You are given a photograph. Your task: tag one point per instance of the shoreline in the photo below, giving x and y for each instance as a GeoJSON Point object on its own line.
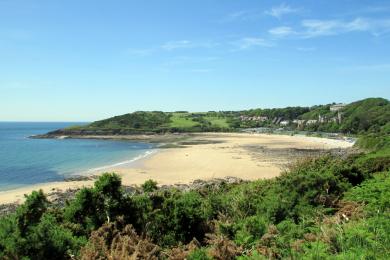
{"type": "Point", "coordinates": [202, 156]}
{"type": "Point", "coordinates": [91, 172]}
{"type": "Point", "coordinates": [148, 138]}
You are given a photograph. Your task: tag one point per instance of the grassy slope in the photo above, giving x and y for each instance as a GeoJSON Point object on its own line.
{"type": "Point", "coordinates": [185, 120]}
{"type": "Point", "coordinates": [181, 120]}
{"type": "Point", "coordinates": [217, 121]}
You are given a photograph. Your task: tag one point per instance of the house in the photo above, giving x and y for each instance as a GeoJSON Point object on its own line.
{"type": "Point", "coordinates": [277, 120]}
{"type": "Point", "coordinates": [284, 123]}
{"type": "Point", "coordinates": [244, 118]}
{"type": "Point", "coordinates": [321, 119]}
{"type": "Point", "coordinates": [299, 122]}
{"type": "Point", "coordinates": [311, 122]}
{"type": "Point", "coordinates": [254, 118]}
{"type": "Point", "coordinates": [337, 107]}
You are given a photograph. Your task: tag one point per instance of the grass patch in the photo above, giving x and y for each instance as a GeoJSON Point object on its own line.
{"type": "Point", "coordinates": [217, 121]}
{"type": "Point", "coordinates": [180, 120]}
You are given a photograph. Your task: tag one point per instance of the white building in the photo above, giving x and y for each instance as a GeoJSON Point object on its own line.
{"type": "Point", "coordinates": [254, 118]}
{"type": "Point", "coordinates": [337, 107]}
{"type": "Point", "coordinates": [311, 122]}
{"type": "Point", "coordinates": [284, 123]}
{"type": "Point", "coordinates": [299, 122]}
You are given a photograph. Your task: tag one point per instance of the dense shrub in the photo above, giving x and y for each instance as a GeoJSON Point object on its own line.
{"type": "Point", "coordinates": [176, 217]}
{"type": "Point", "coordinates": [149, 186]}
{"type": "Point", "coordinates": [35, 233]}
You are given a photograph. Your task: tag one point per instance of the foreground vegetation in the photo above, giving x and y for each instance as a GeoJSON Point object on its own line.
{"type": "Point", "coordinates": [321, 208]}
{"type": "Point", "coordinates": [326, 207]}
{"type": "Point", "coordinates": [370, 115]}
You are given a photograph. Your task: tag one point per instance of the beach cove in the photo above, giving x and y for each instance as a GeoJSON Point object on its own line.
{"type": "Point", "coordinates": [202, 156]}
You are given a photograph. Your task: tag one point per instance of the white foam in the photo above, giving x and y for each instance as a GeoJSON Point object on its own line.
{"type": "Point", "coordinates": [139, 157]}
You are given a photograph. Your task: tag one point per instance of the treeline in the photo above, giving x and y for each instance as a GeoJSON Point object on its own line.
{"type": "Point", "coordinates": [288, 113]}
{"type": "Point", "coordinates": [326, 207]}
{"type": "Point", "coordinates": [366, 116]}
{"type": "Point", "coordinates": [137, 120]}
{"type": "Point", "coordinates": [370, 115]}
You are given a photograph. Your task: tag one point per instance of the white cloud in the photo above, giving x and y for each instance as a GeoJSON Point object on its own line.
{"type": "Point", "coordinates": [185, 44]}
{"type": "Point", "coordinates": [316, 28]}
{"type": "Point", "coordinates": [306, 49]}
{"type": "Point", "coordinates": [281, 10]}
{"type": "Point", "coordinates": [173, 45]}
{"type": "Point", "coordinates": [243, 15]}
{"type": "Point", "coordinates": [249, 42]}
{"type": "Point", "coordinates": [139, 52]}
{"type": "Point", "coordinates": [367, 10]}
{"type": "Point", "coordinates": [282, 31]}
{"type": "Point", "coordinates": [238, 15]}
{"type": "Point", "coordinates": [169, 46]}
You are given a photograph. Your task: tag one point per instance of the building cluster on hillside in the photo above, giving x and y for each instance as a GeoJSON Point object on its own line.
{"type": "Point", "coordinates": [277, 120]}
{"type": "Point", "coordinates": [337, 107]}
{"type": "Point", "coordinates": [320, 120]}
{"type": "Point", "coordinates": [299, 122]}
{"type": "Point", "coordinates": [254, 118]}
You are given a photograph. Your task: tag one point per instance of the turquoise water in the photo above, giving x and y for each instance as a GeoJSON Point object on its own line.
{"type": "Point", "coordinates": [25, 161]}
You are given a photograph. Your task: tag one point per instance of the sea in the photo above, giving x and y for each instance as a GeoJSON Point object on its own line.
{"type": "Point", "coordinates": [25, 161]}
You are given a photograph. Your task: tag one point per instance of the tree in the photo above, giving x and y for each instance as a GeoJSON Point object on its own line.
{"type": "Point", "coordinates": [82, 210]}
{"type": "Point", "coordinates": [94, 206]}
{"type": "Point", "coordinates": [31, 211]}
{"type": "Point", "coordinates": [109, 194]}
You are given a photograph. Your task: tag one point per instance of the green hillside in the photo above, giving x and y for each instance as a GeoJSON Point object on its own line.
{"type": "Point", "coordinates": [156, 122]}
{"type": "Point", "coordinates": [370, 115]}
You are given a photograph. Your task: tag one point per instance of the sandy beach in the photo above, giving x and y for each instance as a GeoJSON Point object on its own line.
{"type": "Point", "coordinates": [206, 156]}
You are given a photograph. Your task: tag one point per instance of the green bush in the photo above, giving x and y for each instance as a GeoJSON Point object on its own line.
{"type": "Point", "coordinates": [31, 211]}
{"type": "Point", "coordinates": [249, 230]}
{"type": "Point", "coordinates": [149, 186]}
{"type": "Point", "coordinates": [374, 193]}
{"type": "Point", "coordinates": [94, 206]}
{"type": "Point", "coordinates": [198, 254]}
{"type": "Point", "coordinates": [81, 211]}
{"type": "Point", "coordinates": [34, 233]}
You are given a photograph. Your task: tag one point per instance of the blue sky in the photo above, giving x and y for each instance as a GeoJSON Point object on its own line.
{"type": "Point", "coordinates": [85, 60]}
